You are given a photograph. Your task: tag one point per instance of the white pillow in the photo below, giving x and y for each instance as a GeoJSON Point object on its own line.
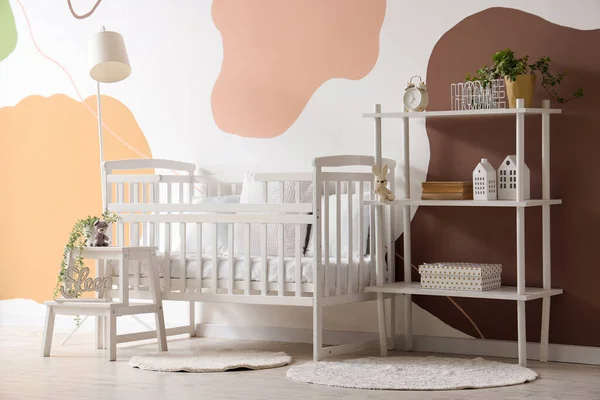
{"type": "Point", "coordinates": [207, 228]}
{"type": "Point", "coordinates": [344, 227]}
{"type": "Point", "coordinates": [253, 193]}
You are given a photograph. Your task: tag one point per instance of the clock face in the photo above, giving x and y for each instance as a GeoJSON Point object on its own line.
{"type": "Point", "coordinates": [412, 98]}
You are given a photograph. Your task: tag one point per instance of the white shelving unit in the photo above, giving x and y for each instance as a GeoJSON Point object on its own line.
{"type": "Point", "coordinates": [521, 293]}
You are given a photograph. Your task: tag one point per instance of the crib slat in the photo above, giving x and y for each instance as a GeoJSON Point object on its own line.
{"type": "Point", "coordinates": [263, 242]}
{"type": "Point", "coordinates": [120, 225]}
{"type": "Point", "coordinates": [325, 237]}
{"type": "Point", "coordinates": [199, 257]}
{"type": "Point", "coordinates": [247, 258]}
{"type": "Point", "coordinates": [134, 228]}
{"type": "Point", "coordinates": [338, 239]}
{"type": "Point", "coordinates": [350, 227]}
{"type": "Point", "coordinates": [372, 238]}
{"type": "Point", "coordinates": [215, 260]}
{"type": "Point", "coordinates": [167, 272]}
{"type": "Point", "coordinates": [298, 248]}
{"type": "Point", "coordinates": [231, 260]}
{"type": "Point", "coordinates": [361, 250]}
{"type": "Point", "coordinates": [155, 225]}
{"type": "Point", "coordinates": [388, 235]}
{"type": "Point", "coordinates": [392, 249]}
{"type": "Point", "coordinates": [183, 256]}
{"type": "Point", "coordinates": [145, 230]}
{"type": "Point", "coordinates": [182, 252]}
{"type": "Point", "coordinates": [392, 246]}
{"type": "Point", "coordinates": [134, 235]}
{"type": "Point", "coordinates": [151, 225]}
{"type": "Point", "coordinates": [281, 272]}
{"type": "Point", "coordinates": [264, 279]}
{"type": "Point", "coordinates": [128, 191]}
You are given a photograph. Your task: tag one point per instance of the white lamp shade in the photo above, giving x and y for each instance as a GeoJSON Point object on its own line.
{"type": "Point", "coordinates": [107, 57]}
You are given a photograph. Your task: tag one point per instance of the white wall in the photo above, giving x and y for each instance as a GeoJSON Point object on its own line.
{"type": "Point", "coordinates": [176, 54]}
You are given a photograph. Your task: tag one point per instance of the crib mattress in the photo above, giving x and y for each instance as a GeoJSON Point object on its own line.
{"type": "Point", "coordinates": [256, 268]}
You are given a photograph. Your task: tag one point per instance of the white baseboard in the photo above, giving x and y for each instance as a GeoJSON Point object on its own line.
{"type": "Point", "coordinates": [433, 344]}
{"type": "Point", "coordinates": [277, 334]}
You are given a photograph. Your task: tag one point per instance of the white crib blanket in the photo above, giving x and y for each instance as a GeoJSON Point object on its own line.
{"type": "Point", "coordinates": [256, 268]}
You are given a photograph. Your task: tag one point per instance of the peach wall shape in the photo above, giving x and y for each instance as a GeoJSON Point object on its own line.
{"type": "Point", "coordinates": [50, 177]}
{"type": "Point", "coordinates": [276, 54]}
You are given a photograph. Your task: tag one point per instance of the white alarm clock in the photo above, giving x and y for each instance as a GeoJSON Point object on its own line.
{"type": "Point", "coordinates": [416, 97]}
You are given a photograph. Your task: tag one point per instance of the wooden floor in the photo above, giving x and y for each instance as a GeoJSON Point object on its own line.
{"type": "Point", "coordinates": [77, 371]}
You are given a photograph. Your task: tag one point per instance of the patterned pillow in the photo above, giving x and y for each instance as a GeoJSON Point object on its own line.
{"type": "Point", "coordinates": [253, 193]}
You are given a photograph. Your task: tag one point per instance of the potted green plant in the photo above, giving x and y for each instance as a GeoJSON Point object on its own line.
{"type": "Point", "coordinates": [80, 237]}
{"type": "Point", "coordinates": [520, 77]}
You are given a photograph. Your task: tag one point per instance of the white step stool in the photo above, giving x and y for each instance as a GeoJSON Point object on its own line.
{"type": "Point", "coordinates": [105, 311]}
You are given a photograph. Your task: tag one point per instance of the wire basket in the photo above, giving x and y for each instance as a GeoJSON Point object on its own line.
{"type": "Point", "coordinates": [475, 95]}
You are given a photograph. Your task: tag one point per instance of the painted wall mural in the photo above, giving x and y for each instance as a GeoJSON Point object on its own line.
{"type": "Point", "coordinates": [276, 54]}
{"type": "Point", "coordinates": [49, 161]}
{"type": "Point", "coordinates": [457, 146]}
{"type": "Point", "coordinates": [218, 78]}
{"type": "Point", "coordinates": [8, 30]}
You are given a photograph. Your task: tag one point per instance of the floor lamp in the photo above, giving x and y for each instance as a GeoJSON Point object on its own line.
{"type": "Point", "coordinates": [108, 63]}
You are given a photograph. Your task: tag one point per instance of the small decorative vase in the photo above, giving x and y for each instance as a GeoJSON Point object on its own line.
{"type": "Point", "coordinates": [522, 88]}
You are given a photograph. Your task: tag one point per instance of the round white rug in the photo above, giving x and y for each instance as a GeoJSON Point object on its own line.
{"type": "Point", "coordinates": [412, 373]}
{"type": "Point", "coordinates": [210, 361]}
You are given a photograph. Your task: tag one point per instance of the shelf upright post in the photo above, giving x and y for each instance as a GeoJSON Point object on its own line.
{"type": "Point", "coordinates": [546, 260]}
{"type": "Point", "coordinates": [379, 239]}
{"type": "Point", "coordinates": [522, 338]}
{"type": "Point", "coordinates": [408, 342]}
{"type": "Point", "coordinates": [520, 197]}
{"type": "Point", "coordinates": [392, 261]}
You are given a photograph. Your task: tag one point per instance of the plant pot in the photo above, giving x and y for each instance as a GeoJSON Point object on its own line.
{"type": "Point", "coordinates": [522, 88]}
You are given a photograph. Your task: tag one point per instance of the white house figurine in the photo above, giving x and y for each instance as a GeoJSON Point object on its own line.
{"type": "Point", "coordinates": [507, 179]}
{"type": "Point", "coordinates": [484, 181]}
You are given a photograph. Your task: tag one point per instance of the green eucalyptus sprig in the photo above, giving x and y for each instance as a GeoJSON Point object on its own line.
{"type": "Point", "coordinates": [78, 238]}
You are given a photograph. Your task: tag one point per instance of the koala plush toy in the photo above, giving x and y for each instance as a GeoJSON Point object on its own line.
{"type": "Point", "coordinates": [100, 238]}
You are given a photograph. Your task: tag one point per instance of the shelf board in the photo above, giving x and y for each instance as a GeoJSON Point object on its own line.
{"type": "Point", "coordinates": [467, 203]}
{"type": "Point", "coordinates": [503, 293]}
{"type": "Point", "coordinates": [464, 113]}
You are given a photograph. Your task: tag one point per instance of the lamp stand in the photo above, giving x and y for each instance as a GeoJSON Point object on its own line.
{"type": "Point", "coordinates": [101, 146]}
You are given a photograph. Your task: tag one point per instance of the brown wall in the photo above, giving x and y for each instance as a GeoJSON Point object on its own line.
{"type": "Point", "coordinates": [489, 235]}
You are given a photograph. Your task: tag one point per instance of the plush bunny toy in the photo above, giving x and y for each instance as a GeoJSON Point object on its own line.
{"type": "Point", "coordinates": [381, 190]}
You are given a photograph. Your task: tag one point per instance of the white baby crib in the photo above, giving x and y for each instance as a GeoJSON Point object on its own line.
{"type": "Point", "coordinates": [257, 253]}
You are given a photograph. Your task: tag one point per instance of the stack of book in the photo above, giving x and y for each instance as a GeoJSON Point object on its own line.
{"type": "Point", "coordinates": [447, 190]}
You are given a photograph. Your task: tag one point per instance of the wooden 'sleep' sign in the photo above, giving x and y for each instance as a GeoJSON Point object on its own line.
{"type": "Point", "coordinates": [76, 283]}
